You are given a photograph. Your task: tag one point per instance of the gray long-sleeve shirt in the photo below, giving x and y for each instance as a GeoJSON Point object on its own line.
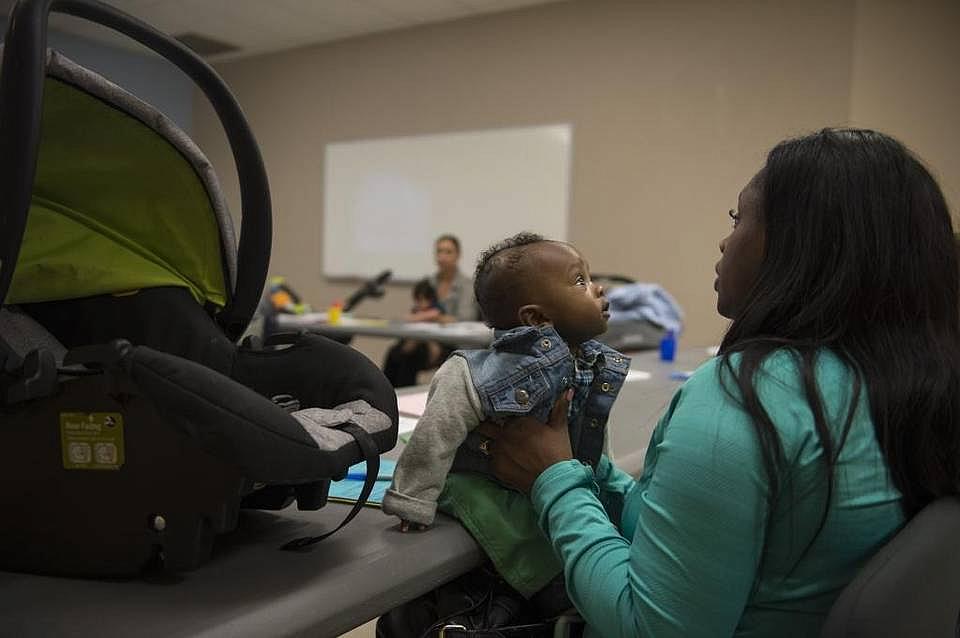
{"type": "Point", "coordinates": [452, 411]}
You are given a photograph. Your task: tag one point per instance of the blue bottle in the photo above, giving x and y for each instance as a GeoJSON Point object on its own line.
{"type": "Point", "coordinates": [668, 346]}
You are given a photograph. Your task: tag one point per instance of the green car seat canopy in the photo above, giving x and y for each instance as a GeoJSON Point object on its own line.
{"type": "Point", "coordinates": [122, 200]}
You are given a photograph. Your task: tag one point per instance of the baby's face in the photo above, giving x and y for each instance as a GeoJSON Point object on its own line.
{"type": "Point", "coordinates": [576, 306]}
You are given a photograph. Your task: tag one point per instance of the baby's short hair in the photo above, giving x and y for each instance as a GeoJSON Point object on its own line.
{"type": "Point", "coordinates": [423, 289]}
{"type": "Point", "coordinates": [500, 282]}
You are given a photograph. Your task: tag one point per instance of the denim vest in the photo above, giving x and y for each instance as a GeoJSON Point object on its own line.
{"type": "Point", "coordinates": [524, 372]}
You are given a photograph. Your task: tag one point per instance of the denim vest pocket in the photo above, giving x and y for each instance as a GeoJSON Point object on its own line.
{"type": "Point", "coordinates": [520, 395]}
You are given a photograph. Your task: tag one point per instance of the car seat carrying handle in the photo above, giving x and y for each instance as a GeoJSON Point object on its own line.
{"type": "Point", "coordinates": [372, 456]}
{"type": "Point", "coordinates": [21, 96]}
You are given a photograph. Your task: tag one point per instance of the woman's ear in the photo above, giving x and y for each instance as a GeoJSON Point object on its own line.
{"type": "Point", "coordinates": [532, 315]}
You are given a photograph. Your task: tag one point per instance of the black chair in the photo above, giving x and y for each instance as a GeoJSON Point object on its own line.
{"type": "Point", "coordinates": [612, 280]}
{"type": "Point", "coordinates": [911, 587]}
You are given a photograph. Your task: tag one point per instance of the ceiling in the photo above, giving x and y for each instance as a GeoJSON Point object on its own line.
{"type": "Point", "coordinates": [261, 26]}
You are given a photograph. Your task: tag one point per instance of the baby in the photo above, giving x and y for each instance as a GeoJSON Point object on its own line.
{"type": "Point", "coordinates": [426, 307]}
{"type": "Point", "coordinates": [538, 296]}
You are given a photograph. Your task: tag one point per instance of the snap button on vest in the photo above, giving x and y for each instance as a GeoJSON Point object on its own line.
{"type": "Point", "coordinates": [605, 386]}
{"type": "Point", "coordinates": [594, 423]}
{"type": "Point", "coordinates": [521, 396]}
{"type": "Point", "coordinates": [484, 447]}
{"type": "Point", "coordinates": [545, 344]}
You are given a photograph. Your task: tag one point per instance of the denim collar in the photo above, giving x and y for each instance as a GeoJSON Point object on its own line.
{"type": "Point", "coordinates": [512, 339]}
{"type": "Point", "coordinates": [591, 351]}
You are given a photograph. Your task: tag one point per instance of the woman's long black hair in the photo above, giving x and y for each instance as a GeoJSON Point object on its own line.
{"type": "Point", "coordinates": [860, 258]}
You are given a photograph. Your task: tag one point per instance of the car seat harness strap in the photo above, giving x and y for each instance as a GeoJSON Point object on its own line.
{"type": "Point", "coordinates": [372, 456]}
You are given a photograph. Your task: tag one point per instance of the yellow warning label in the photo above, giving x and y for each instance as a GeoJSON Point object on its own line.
{"type": "Point", "coordinates": [91, 440]}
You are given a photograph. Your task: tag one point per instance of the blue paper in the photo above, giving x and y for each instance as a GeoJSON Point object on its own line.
{"type": "Point", "coordinates": [348, 490]}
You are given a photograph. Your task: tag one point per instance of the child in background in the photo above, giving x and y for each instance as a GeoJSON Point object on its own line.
{"type": "Point", "coordinates": [426, 307]}
{"type": "Point", "coordinates": [425, 304]}
{"type": "Point", "coordinates": [538, 296]}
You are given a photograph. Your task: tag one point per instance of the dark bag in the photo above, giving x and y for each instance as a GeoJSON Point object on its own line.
{"type": "Point", "coordinates": [479, 604]}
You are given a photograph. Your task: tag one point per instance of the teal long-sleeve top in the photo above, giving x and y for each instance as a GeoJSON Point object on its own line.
{"type": "Point", "coordinates": [693, 547]}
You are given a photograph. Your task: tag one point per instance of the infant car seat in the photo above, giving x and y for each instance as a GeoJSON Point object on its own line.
{"type": "Point", "coordinates": [135, 426]}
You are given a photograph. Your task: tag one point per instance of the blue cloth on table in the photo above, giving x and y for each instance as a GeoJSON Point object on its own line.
{"type": "Point", "coordinates": [645, 301]}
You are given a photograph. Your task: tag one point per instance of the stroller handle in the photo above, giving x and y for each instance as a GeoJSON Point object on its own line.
{"type": "Point", "coordinates": [21, 95]}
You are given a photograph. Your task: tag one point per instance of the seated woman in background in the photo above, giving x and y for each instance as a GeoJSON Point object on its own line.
{"type": "Point", "coordinates": [454, 289]}
{"type": "Point", "coordinates": [830, 417]}
{"type": "Point", "coordinates": [454, 294]}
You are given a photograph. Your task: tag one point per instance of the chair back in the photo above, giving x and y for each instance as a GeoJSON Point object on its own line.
{"type": "Point", "coordinates": [911, 587]}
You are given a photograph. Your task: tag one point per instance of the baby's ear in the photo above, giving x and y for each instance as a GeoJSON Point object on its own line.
{"type": "Point", "coordinates": [532, 315]}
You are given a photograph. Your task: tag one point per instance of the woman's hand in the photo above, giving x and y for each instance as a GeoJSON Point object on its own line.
{"type": "Point", "coordinates": [524, 447]}
{"type": "Point", "coordinates": [430, 314]}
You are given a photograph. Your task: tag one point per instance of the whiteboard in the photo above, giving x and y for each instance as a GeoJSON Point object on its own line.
{"type": "Point", "coordinates": [387, 200]}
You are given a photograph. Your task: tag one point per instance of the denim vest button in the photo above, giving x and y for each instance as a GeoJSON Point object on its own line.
{"type": "Point", "coordinates": [618, 359]}
{"type": "Point", "coordinates": [594, 423]}
{"type": "Point", "coordinates": [545, 344]}
{"type": "Point", "coordinates": [605, 386]}
{"type": "Point", "coordinates": [500, 375]}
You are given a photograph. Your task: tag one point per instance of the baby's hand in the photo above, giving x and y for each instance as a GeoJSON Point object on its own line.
{"type": "Point", "coordinates": [407, 526]}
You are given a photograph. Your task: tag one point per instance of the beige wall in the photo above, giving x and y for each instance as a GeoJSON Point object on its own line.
{"type": "Point", "coordinates": [673, 103]}
{"type": "Point", "coordinates": [906, 81]}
